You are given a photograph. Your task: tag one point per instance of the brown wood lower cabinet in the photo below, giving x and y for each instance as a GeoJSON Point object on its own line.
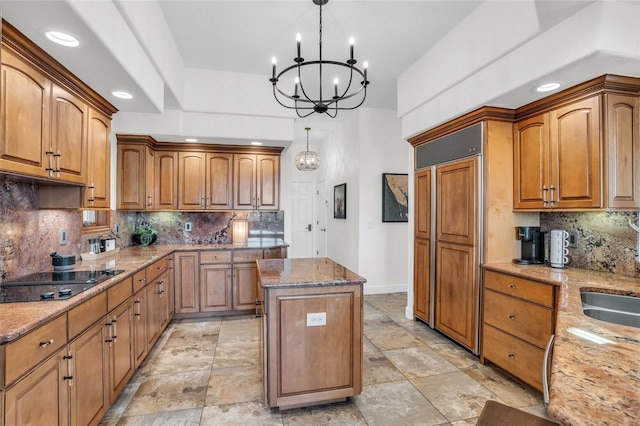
{"type": "Point", "coordinates": [306, 364]}
{"type": "Point", "coordinates": [518, 320]}
{"type": "Point", "coordinates": [245, 278]}
{"type": "Point", "coordinates": [140, 320]}
{"type": "Point", "coordinates": [120, 347]}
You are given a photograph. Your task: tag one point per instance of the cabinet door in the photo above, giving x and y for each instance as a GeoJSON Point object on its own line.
{"type": "Point", "coordinates": [69, 119]}
{"type": "Point", "coordinates": [89, 391]}
{"type": "Point", "coordinates": [423, 204]}
{"type": "Point", "coordinates": [186, 282]}
{"type": "Point", "coordinates": [121, 362]}
{"type": "Point", "coordinates": [163, 302]}
{"type": "Point", "coordinates": [97, 193]}
{"type": "Point", "coordinates": [244, 180]}
{"type": "Point", "coordinates": [140, 316]}
{"type": "Point", "coordinates": [170, 287]}
{"type": "Point", "coordinates": [220, 181]}
{"type": "Point", "coordinates": [245, 282]}
{"type": "Point", "coordinates": [576, 175]}
{"type": "Point", "coordinates": [166, 180]}
{"type": "Point", "coordinates": [149, 179]}
{"type": "Point", "coordinates": [422, 279]}
{"type": "Point", "coordinates": [42, 397]}
{"type": "Point", "coordinates": [24, 117]}
{"type": "Point", "coordinates": [191, 180]}
{"type": "Point", "coordinates": [153, 317]}
{"type": "Point", "coordinates": [131, 177]}
{"type": "Point", "coordinates": [623, 151]}
{"type": "Point", "coordinates": [215, 288]}
{"type": "Point", "coordinates": [456, 198]}
{"type": "Point", "coordinates": [531, 163]}
{"type": "Point", "coordinates": [268, 182]}
{"type": "Point", "coordinates": [456, 293]}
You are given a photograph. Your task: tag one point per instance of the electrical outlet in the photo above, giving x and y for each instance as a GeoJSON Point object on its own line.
{"type": "Point", "coordinates": [316, 319]}
{"type": "Point", "coordinates": [187, 226]}
{"type": "Point", "coordinates": [63, 236]}
{"type": "Point", "coordinates": [573, 239]}
{"type": "Point", "coordinates": [116, 229]}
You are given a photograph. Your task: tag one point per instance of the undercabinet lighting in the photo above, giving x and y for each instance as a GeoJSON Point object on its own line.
{"type": "Point", "coordinates": [547, 87]}
{"type": "Point", "coordinates": [63, 39]}
{"type": "Point", "coordinates": [191, 140]}
{"type": "Point", "coordinates": [122, 95]}
{"type": "Point", "coordinates": [256, 143]}
{"type": "Point", "coordinates": [589, 336]}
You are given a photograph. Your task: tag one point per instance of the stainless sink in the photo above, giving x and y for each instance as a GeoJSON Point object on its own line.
{"type": "Point", "coordinates": [614, 308]}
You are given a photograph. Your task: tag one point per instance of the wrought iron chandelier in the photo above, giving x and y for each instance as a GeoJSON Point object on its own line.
{"type": "Point", "coordinates": [305, 100]}
{"type": "Point", "coordinates": [307, 160]}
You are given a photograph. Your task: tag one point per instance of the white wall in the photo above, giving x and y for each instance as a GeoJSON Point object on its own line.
{"type": "Point", "coordinates": [368, 144]}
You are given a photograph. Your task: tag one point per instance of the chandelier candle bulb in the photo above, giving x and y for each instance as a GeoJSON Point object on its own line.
{"type": "Point", "coordinates": [298, 39]}
{"type": "Point", "coordinates": [273, 72]}
{"type": "Point", "coordinates": [295, 88]}
{"type": "Point", "coordinates": [351, 43]}
{"type": "Point", "coordinates": [335, 86]}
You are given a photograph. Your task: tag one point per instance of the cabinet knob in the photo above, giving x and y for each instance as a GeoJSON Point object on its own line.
{"type": "Point", "coordinates": [512, 317]}
{"type": "Point", "coordinates": [512, 356]}
{"type": "Point", "coordinates": [512, 286]}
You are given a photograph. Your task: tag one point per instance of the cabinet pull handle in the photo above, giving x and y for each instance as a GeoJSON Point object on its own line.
{"type": "Point", "coordinates": [202, 202]}
{"type": "Point", "coordinates": [512, 286]}
{"type": "Point", "coordinates": [150, 202]}
{"type": "Point", "coordinates": [115, 330]}
{"type": "Point", "coordinates": [546, 370]}
{"type": "Point", "coordinates": [110, 339]}
{"type": "Point", "coordinates": [45, 344]}
{"type": "Point", "coordinates": [512, 356]}
{"type": "Point", "coordinates": [50, 168]}
{"type": "Point", "coordinates": [142, 280]}
{"type": "Point", "coordinates": [58, 155]}
{"type": "Point", "coordinates": [544, 195]}
{"type": "Point", "coordinates": [512, 317]}
{"type": "Point", "coordinates": [69, 369]}
{"type": "Point", "coordinates": [551, 193]}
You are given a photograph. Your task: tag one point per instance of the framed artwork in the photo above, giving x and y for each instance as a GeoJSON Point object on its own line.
{"type": "Point", "coordinates": [340, 201]}
{"type": "Point", "coordinates": [395, 197]}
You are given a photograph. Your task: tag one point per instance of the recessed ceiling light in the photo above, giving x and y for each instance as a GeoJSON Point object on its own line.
{"type": "Point", "coordinates": [548, 87]}
{"type": "Point", "coordinates": [62, 38]}
{"type": "Point", "coordinates": [256, 143]}
{"type": "Point", "coordinates": [122, 95]}
{"type": "Point", "coordinates": [191, 140]}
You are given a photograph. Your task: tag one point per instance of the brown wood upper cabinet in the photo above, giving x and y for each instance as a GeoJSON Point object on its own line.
{"type": "Point", "coordinates": [256, 182]}
{"type": "Point", "coordinates": [583, 155]}
{"type": "Point", "coordinates": [557, 158]}
{"type": "Point", "coordinates": [205, 181]}
{"type": "Point", "coordinates": [97, 192]}
{"type": "Point", "coordinates": [47, 119]}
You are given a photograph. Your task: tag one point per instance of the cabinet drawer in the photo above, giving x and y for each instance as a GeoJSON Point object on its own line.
{"type": "Point", "coordinates": [155, 269]}
{"type": "Point", "coordinates": [513, 355]}
{"type": "Point", "coordinates": [139, 280]}
{"type": "Point", "coordinates": [118, 293]}
{"type": "Point", "coordinates": [26, 352]}
{"type": "Point", "coordinates": [83, 316]}
{"type": "Point", "coordinates": [275, 253]}
{"type": "Point", "coordinates": [532, 291]}
{"type": "Point", "coordinates": [525, 320]}
{"type": "Point", "coordinates": [217, 256]}
{"type": "Point", "coordinates": [246, 255]}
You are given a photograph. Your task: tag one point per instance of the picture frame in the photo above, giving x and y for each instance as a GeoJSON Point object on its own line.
{"type": "Point", "coordinates": [395, 197]}
{"type": "Point", "coordinates": [340, 201]}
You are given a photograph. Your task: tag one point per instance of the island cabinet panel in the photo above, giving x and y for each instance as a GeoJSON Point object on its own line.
{"type": "Point", "coordinates": [42, 398]}
{"type": "Point", "coordinates": [312, 333]}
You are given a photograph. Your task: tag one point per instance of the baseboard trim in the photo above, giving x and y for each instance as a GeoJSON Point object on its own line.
{"type": "Point", "coordinates": [386, 288]}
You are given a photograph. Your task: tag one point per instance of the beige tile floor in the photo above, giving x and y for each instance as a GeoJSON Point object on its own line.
{"type": "Point", "coordinates": [208, 372]}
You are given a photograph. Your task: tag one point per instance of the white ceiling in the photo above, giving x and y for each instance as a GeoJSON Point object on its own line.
{"type": "Point", "coordinates": [242, 36]}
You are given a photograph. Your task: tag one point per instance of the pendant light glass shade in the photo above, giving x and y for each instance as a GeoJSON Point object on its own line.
{"type": "Point", "coordinates": [307, 160]}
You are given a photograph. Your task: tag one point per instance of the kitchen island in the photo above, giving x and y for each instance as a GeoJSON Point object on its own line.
{"type": "Point", "coordinates": [595, 370]}
{"type": "Point", "coordinates": [312, 331]}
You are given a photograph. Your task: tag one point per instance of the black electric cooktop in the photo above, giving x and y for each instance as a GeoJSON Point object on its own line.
{"type": "Point", "coordinates": [57, 285]}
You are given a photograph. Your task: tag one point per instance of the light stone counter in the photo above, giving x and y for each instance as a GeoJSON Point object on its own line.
{"type": "Point", "coordinates": [591, 383]}
{"type": "Point", "coordinates": [17, 319]}
{"type": "Point", "coordinates": [305, 273]}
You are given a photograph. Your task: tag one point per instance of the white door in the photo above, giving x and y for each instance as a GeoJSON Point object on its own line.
{"type": "Point", "coordinates": [302, 220]}
{"type": "Point", "coordinates": [322, 204]}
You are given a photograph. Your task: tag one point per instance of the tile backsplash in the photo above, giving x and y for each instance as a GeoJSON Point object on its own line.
{"type": "Point", "coordinates": [28, 234]}
{"type": "Point", "coordinates": [606, 242]}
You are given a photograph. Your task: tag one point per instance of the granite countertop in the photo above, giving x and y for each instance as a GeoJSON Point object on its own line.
{"type": "Point", "coordinates": [591, 383]}
{"type": "Point", "coordinates": [17, 319]}
{"type": "Point", "coordinates": [305, 273]}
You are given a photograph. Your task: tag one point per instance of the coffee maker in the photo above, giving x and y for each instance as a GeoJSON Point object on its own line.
{"type": "Point", "coordinates": [531, 245]}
